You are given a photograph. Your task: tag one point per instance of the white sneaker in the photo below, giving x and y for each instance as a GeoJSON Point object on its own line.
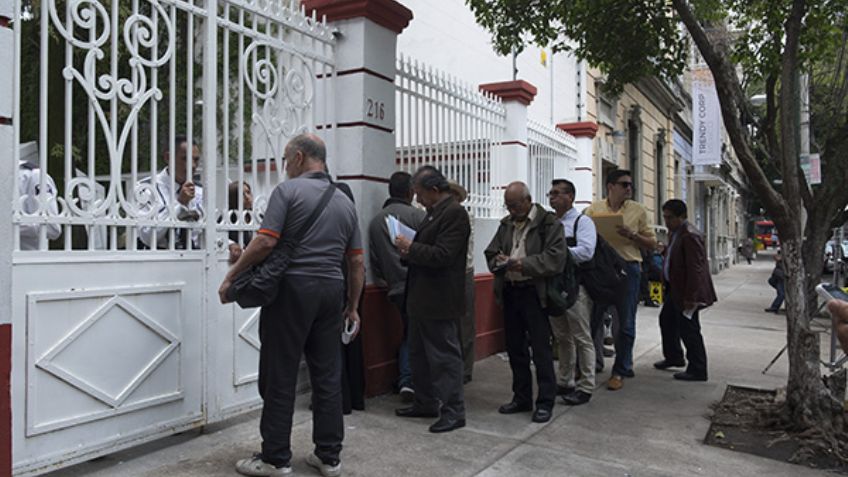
{"type": "Point", "coordinates": [257, 467]}
{"type": "Point", "coordinates": [325, 469]}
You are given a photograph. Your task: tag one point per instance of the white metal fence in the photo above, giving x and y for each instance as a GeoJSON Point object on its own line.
{"type": "Point", "coordinates": [135, 342]}
{"type": "Point", "coordinates": [552, 153]}
{"type": "Point", "coordinates": [451, 125]}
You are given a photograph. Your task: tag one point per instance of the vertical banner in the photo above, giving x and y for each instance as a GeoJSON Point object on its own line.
{"type": "Point", "coordinates": [706, 119]}
{"type": "Point", "coordinates": [811, 165]}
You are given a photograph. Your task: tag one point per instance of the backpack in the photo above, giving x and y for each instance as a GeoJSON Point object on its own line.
{"type": "Point", "coordinates": [605, 275]}
{"type": "Point", "coordinates": [563, 288]}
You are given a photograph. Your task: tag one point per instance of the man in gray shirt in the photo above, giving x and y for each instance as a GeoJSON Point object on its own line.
{"type": "Point", "coordinates": [387, 267]}
{"type": "Point", "coordinates": [306, 317]}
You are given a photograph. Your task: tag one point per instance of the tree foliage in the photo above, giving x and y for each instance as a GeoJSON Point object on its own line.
{"type": "Point", "coordinates": [644, 41]}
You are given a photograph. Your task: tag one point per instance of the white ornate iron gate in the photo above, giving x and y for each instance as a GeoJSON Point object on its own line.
{"type": "Point", "coordinates": [118, 334]}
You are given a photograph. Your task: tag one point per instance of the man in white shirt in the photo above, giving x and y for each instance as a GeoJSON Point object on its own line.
{"type": "Point", "coordinates": [572, 330]}
{"type": "Point", "coordinates": [178, 193]}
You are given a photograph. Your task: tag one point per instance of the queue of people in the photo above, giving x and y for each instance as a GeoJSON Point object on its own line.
{"type": "Point", "coordinates": [427, 268]}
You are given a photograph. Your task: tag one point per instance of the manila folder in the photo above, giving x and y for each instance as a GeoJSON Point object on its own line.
{"type": "Point", "coordinates": [607, 226]}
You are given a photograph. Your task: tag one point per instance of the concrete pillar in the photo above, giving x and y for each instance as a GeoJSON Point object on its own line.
{"type": "Point", "coordinates": [584, 132]}
{"type": "Point", "coordinates": [364, 96]}
{"type": "Point", "coordinates": [8, 174]}
{"type": "Point", "coordinates": [512, 155]}
{"type": "Point", "coordinates": [365, 54]}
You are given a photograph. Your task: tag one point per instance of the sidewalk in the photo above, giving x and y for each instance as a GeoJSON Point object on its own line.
{"type": "Point", "coordinates": [653, 427]}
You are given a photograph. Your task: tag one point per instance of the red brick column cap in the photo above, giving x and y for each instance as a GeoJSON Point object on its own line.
{"type": "Point", "coordinates": [518, 90]}
{"type": "Point", "coordinates": [386, 13]}
{"type": "Point", "coordinates": [581, 129]}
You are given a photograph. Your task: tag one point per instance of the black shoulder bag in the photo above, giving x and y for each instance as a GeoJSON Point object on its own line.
{"type": "Point", "coordinates": [259, 285]}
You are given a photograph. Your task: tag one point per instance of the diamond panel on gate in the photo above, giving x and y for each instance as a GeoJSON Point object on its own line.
{"type": "Point", "coordinates": [135, 352]}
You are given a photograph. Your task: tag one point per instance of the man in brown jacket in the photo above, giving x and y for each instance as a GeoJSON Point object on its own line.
{"type": "Point", "coordinates": [435, 301]}
{"type": "Point", "coordinates": [528, 248]}
{"type": "Point", "coordinates": [689, 288]}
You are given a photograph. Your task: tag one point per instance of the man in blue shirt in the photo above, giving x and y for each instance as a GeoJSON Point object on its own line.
{"type": "Point", "coordinates": [572, 330]}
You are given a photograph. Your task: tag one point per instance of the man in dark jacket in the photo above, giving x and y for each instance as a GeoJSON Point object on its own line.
{"type": "Point", "coordinates": [528, 248]}
{"type": "Point", "coordinates": [386, 264]}
{"type": "Point", "coordinates": [689, 288]}
{"type": "Point", "coordinates": [435, 301]}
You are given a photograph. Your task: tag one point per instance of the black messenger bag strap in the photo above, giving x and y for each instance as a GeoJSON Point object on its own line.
{"type": "Point", "coordinates": [316, 212]}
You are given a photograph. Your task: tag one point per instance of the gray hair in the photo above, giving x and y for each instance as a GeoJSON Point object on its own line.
{"type": "Point", "coordinates": [310, 145]}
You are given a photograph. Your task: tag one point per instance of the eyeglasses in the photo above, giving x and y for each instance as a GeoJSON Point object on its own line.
{"type": "Point", "coordinates": [512, 205]}
{"type": "Point", "coordinates": [625, 185]}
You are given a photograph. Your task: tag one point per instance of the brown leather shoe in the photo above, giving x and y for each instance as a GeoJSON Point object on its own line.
{"type": "Point", "coordinates": [615, 383]}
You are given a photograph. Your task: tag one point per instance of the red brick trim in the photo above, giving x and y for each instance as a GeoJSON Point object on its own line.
{"type": "Point", "coordinates": [353, 71]}
{"type": "Point", "coordinates": [386, 13]}
{"type": "Point", "coordinates": [581, 129]}
{"type": "Point", "coordinates": [5, 400]}
{"type": "Point", "coordinates": [5, 22]}
{"type": "Point", "coordinates": [518, 90]}
{"type": "Point", "coordinates": [513, 143]}
{"type": "Point", "coordinates": [364, 124]}
{"type": "Point", "coordinates": [382, 332]}
{"type": "Point", "coordinates": [367, 72]}
{"type": "Point", "coordinates": [5, 121]}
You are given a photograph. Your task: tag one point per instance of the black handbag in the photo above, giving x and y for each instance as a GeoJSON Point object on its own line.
{"type": "Point", "coordinates": [259, 285]}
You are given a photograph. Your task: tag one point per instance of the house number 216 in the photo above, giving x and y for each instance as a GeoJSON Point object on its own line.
{"type": "Point", "coordinates": [375, 109]}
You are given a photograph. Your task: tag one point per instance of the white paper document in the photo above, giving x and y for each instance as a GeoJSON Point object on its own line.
{"type": "Point", "coordinates": [396, 228]}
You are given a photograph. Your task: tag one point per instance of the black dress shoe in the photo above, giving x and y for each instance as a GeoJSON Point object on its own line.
{"type": "Point", "coordinates": [565, 390]}
{"type": "Point", "coordinates": [684, 376]}
{"type": "Point", "coordinates": [577, 398]}
{"type": "Point", "coordinates": [608, 352]}
{"type": "Point", "coordinates": [447, 424]}
{"type": "Point", "coordinates": [541, 415]}
{"type": "Point", "coordinates": [513, 407]}
{"type": "Point", "coordinates": [413, 411]}
{"type": "Point", "coordinates": [664, 364]}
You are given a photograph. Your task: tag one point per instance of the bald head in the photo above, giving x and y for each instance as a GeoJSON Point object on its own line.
{"type": "Point", "coordinates": [305, 153]}
{"type": "Point", "coordinates": [517, 200]}
{"type": "Point", "coordinates": [310, 145]}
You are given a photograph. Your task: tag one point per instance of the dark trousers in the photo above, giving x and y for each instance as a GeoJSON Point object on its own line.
{"type": "Point", "coordinates": [305, 319]}
{"type": "Point", "coordinates": [467, 327]}
{"type": "Point", "coordinates": [525, 323]}
{"type": "Point", "coordinates": [436, 366]}
{"type": "Point", "coordinates": [781, 294]}
{"type": "Point", "coordinates": [404, 369]}
{"type": "Point", "coordinates": [597, 327]}
{"type": "Point", "coordinates": [675, 327]}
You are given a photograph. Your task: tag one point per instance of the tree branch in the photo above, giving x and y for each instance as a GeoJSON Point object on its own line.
{"type": "Point", "coordinates": [732, 103]}
{"type": "Point", "coordinates": [769, 121]}
{"type": "Point", "coordinates": [793, 180]}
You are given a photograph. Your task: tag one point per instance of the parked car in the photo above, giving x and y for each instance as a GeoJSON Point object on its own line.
{"type": "Point", "coordinates": [830, 260]}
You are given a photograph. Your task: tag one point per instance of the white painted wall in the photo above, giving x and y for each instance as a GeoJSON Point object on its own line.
{"type": "Point", "coordinates": [444, 34]}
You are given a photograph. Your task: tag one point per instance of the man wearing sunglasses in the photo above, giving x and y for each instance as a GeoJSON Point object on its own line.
{"type": "Point", "coordinates": [636, 234]}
